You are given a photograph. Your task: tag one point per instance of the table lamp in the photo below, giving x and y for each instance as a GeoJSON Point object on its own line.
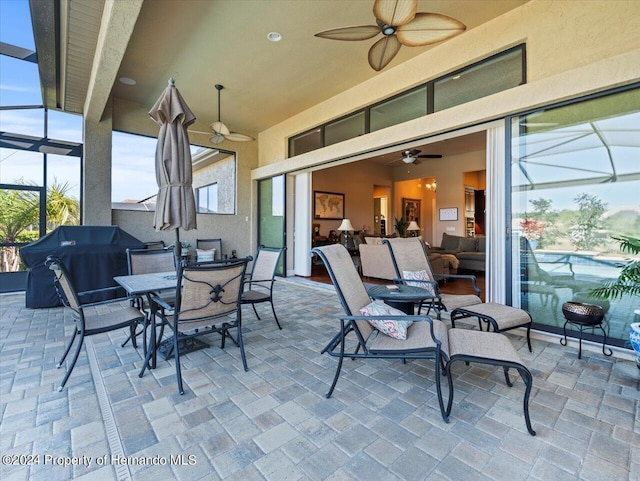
{"type": "Point", "coordinates": [413, 229]}
{"type": "Point", "coordinates": [345, 228]}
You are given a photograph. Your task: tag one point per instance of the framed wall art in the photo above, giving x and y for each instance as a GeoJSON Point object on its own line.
{"type": "Point", "coordinates": [449, 213]}
{"type": "Point", "coordinates": [328, 205]}
{"type": "Point", "coordinates": [411, 210]}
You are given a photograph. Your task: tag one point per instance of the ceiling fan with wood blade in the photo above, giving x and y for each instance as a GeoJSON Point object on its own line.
{"type": "Point", "coordinates": [399, 24]}
{"type": "Point", "coordinates": [221, 132]}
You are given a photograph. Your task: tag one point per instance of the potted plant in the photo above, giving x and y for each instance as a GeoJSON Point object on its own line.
{"type": "Point", "coordinates": [627, 283]}
{"type": "Point", "coordinates": [185, 248]}
{"type": "Point", "coordinates": [401, 226]}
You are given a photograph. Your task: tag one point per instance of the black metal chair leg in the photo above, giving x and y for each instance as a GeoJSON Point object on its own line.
{"type": "Point", "coordinates": [526, 376]}
{"type": "Point", "coordinates": [73, 361]}
{"type": "Point", "coordinates": [337, 374]}
{"type": "Point", "coordinates": [443, 412]}
{"type": "Point", "coordinates": [176, 357]}
{"type": "Point", "coordinates": [506, 377]}
{"type": "Point", "coordinates": [241, 345]}
{"type": "Point", "coordinates": [66, 351]}
{"type": "Point", "coordinates": [255, 310]}
{"type": "Point", "coordinates": [274, 316]}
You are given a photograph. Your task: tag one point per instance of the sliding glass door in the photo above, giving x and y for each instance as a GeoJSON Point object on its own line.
{"type": "Point", "coordinates": [575, 178]}
{"type": "Point", "coordinates": [271, 216]}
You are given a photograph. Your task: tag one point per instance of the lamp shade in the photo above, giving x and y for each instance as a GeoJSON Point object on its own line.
{"type": "Point", "coordinates": [346, 225]}
{"type": "Point", "coordinates": [413, 225]}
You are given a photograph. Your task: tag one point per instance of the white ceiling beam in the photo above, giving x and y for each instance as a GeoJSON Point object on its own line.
{"type": "Point", "coordinates": [118, 21]}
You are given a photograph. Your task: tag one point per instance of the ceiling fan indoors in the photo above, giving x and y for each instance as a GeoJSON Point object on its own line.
{"type": "Point", "coordinates": [399, 24]}
{"type": "Point", "coordinates": [412, 156]}
{"type": "Point", "coordinates": [220, 131]}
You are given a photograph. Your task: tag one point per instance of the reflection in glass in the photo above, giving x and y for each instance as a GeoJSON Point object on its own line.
{"type": "Point", "coordinates": [271, 219]}
{"type": "Point", "coordinates": [305, 142]}
{"type": "Point", "coordinates": [495, 75]}
{"type": "Point", "coordinates": [344, 129]}
{"type": "Point", "coordinates": [575, 178]}
{"type": "Point", "coordinates": [408, 106]}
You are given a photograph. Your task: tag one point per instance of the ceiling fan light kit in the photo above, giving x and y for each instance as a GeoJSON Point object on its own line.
{"type": "Point", "coordinates": [221, 132]}
{"type": "Point", "coordinates": [399, 24]}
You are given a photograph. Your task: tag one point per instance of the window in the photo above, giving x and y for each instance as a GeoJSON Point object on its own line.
{"type": "Point", "coordinates": [575, 176]}
{"type": "Point", "coordinates": [344, 129]}
{"type": "Point", "coordinates": [407, 106]}
{"type": "Point", "coordinates": [494, 74]}
{"type": "Point", "coordinates": [207, 199]}
{"type": "Point", "coordinates": [502, 72]}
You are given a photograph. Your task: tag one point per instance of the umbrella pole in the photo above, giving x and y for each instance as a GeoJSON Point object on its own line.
{"type": "Point", "coordinates": [177, 250]}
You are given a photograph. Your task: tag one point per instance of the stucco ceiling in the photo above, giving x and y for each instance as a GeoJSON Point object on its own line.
{"type": "Point", "coordinates": [205, 42]}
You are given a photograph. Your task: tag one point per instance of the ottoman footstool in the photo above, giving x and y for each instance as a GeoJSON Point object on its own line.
{"type": "Point", "coordinates": [500, 317]}
{"type": "Point", "coordinates": [487, 348]}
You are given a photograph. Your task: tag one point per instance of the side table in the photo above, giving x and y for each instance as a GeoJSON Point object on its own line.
{"type": "Point", "coordinates": [400, 296]}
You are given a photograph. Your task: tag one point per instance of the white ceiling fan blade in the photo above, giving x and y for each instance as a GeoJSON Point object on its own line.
{"type": "Point", "coordinates": [216, 139]}
{"type": "Point", "coordinates": [219, 128]}
{"type": "Point", "coordinates": [395, 12]}
{"type": "Point", "coordinates": [238, 137]}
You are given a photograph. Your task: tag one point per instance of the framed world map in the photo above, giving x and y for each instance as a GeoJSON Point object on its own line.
{"type": "Point", "coordinates": [328, 205]}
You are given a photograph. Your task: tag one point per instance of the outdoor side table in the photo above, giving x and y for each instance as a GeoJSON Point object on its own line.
{"type": "Point", "coordinates": [403, 298]}
{"type": "Point", "coordinates": [584, 316]}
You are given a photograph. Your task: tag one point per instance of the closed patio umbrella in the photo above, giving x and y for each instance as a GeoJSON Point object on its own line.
{"type": "Point", "coordinates": [175, 206]}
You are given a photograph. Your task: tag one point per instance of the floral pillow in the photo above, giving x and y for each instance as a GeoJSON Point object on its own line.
{"type": "Point", "coordinates": [395, 329]}
{"type": "Point", "coordinates": [419, 276]}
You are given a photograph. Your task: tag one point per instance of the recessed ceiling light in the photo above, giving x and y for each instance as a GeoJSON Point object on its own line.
{"type": "Point", "coordinates": [274, 36]}
{"type": "Point", "coordinates": [127, 81]}
{"type": "Point", "coordinates": [456, 77]}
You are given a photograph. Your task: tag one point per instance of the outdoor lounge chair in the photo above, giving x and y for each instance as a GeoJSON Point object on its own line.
{"type": "Point", "coordinates": [426, 338]}
{"type": "Point", "coordinates": [259, 283]}
{"type": "Point", "coordinates": [88, 324]}
{"type": "Point", "coordinates": [207, 301]}
{"type": "Point", "coordinates": [207, 245]}
{"type": "Point", "coordinates": [409, 256]}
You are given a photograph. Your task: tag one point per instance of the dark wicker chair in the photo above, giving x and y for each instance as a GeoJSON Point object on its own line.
{"type": "Point", "coordinates": [259, 284]}
{"type": "Point", "coordinates": [207, 301]}
{"type": "Point", "coordinates": [88, 324]}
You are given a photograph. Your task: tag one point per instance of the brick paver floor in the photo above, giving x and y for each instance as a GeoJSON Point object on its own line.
{"type": "Point", "coordinates": [274, 423]}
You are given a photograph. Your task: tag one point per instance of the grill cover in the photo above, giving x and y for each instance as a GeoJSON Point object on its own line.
{"type": "Point", "coordinates": [92, 254]}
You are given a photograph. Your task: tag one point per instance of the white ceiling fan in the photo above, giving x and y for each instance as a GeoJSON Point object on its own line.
{"type": "Point", "coordinates": [220, 131]}
{"type": "Point", "coordinates": [412, 157]}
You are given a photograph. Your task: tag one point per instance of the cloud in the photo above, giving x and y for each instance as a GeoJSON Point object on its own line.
{"type": "Point", "coordinates": [17, 88]}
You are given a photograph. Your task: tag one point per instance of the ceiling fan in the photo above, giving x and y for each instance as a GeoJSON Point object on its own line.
{"type": "Point", "coordinates": [221, 131]}
{"type": "Point", "coordinates": [401, 25]}
{"type": "Point", "coordinates": [412, 157]}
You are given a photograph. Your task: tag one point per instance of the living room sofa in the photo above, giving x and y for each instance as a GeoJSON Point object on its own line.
{"type": "Point", "coordinates": [375, 260]}
{"type": "Point", "coordinates": [470, 251]}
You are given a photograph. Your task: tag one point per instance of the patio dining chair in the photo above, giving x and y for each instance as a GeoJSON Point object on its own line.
{"type": "Point", "coordinates": [207, 301]}
{"type": "Point", "coordinates": [88, 324]}
{"type": "Point", "coordinates": [412, 266]}
{"type": "Point", "coordinates": [424, 338]}
{"type": "Point", "coordinates": [259, 283]}
{"type": "Point", "coordinates": [149, 261]}
{"type": "Point", "coordinates": [205, 248]}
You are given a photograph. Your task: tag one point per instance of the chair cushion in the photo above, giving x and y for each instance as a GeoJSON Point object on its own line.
{"type": "Point", "coordinates": [205, 255]}
{"type": "Point", "coordinates": [419, 276]}
{"type": "Point", "coordinates": [389, 327]}
{"type": "Point", "coordinates": [373, 240]}
{"type": "Point", "coordinates": [419, 339]}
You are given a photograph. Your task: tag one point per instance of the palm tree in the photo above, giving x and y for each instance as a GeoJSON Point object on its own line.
{"type": "Point", "coordinates": [628, 282]}
{"type": "Point", "coordinates": [20, 211]}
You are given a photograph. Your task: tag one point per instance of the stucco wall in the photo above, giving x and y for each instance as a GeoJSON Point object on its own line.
{"type": "Point", "coordinates": [596, 41]}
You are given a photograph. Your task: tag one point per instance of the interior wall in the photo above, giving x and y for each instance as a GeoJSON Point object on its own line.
{"type": "Point", "coordinates": [357, 184]}
{"type": "Point", "coordinates": [449, 173]}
